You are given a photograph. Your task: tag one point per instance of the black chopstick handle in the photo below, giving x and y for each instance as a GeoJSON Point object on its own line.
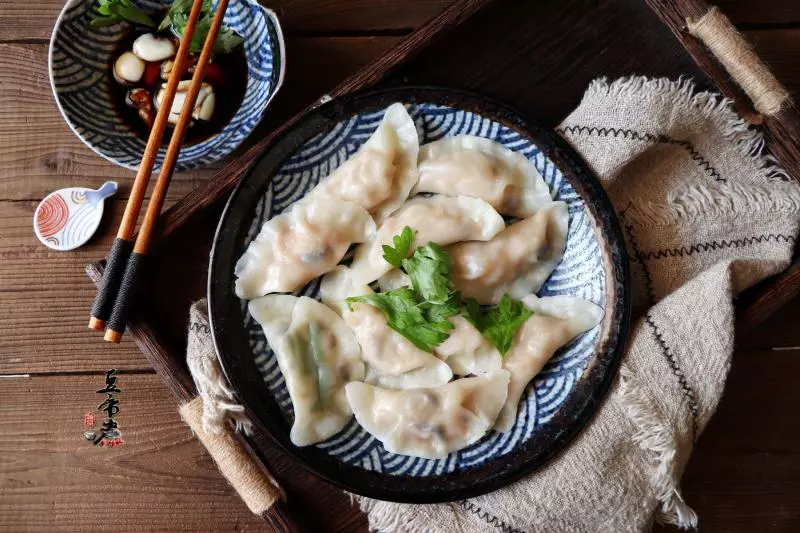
{"type": "Point", "coordinates": [112, 278]}
{"type": "Point", "coordinates": [125, 298]}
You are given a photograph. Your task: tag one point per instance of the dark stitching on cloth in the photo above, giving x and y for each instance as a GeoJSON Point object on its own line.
{"type": "Point", "coordinates": [717, 245]}
{"type": "Point", "coordinates": [704, 163]}
{"type": "Point", "coordinates": [648, 280]}
{"type": "Point", "coordinates": [199, 328]}
{"type": "Point", "coordinates": [676, 369]}
{"type": "Point", "coordinates": [488, 518]}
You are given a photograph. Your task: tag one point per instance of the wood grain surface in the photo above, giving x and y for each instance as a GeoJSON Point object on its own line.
{"type": "Point", "coordinates": [744, 475]}
{"type": "Point", "coordinates": [34, 20]}
{"type": "Point", "coordinates": [160, 479]}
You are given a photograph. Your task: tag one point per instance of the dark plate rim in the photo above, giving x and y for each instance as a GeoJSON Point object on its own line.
{"type": "Point", "coordinates": [231, 339]}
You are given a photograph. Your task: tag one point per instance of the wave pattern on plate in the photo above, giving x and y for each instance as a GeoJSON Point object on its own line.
{"type": "Point", "coordinates": [579, 274]}
{"type": "Point", "coordinates": [79, 64]}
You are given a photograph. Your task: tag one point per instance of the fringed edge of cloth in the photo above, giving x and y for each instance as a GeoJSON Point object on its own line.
{"type": "Point", "coordinates": [655, 438]}
{"type": "Point", "coordinates": [730, 201]}
{"type": "Point", "coordinates": [777, 193]}
{"type": "Point", "coordinates": [682, 93]}
{"type": "Point", "coordinates": [388, 517]}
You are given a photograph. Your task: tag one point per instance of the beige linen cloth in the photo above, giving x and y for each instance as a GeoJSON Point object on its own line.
{"type": "Point", "coordinates": [704, 216]}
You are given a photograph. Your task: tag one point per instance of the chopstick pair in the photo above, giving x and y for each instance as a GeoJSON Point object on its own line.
{"type": "Point", "coordinates": [124, 265]}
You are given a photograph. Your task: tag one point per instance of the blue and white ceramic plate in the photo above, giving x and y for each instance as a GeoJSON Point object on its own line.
{"type": "Point", "coordinates": [80, 74]}
{"type": "Point", "coordinates": [555, 405]}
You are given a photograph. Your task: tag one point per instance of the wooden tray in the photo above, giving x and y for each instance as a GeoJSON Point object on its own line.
{"type": "Point", "coordinates": [536, 56]}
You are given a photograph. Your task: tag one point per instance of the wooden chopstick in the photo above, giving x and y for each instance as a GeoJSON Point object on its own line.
{"type": "Point", "coordinates": [121, 249]}
{"type": "Point", "coordinates": [124, 297]}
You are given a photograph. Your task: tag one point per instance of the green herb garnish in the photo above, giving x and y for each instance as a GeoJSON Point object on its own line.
{"type": "Point", "coordinates": [500, 323]}
{"type": "Point", "coordinates": [408, 315]}
{"type": "Point", "coordinates": [178, 18]}
{"type": "Point", "coordinates": [440, 312]}
{"type": "Point", "coordinates": [402, 244]}
{"type": "Point", "coordinates": [113, 11]}
{"type": "Point", "coordinates": [429, 269]}
{"type": "Point", "coordinates": [421, 312]}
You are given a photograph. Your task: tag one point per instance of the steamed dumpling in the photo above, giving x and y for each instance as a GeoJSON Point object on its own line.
{"type": "Point", "coordinates": [485, 169]}
{"type": "Point", "coordinates": [441, 219]}
{"type": "Point", "coordinates": [393, 279]}
{"type": "Point", "coordinates": [466, 351]}
{"type": "Point", "coordinates": [517, 261]}
{"type": "Point", "coordinates": [338, 285]}
{"type": "Point", "coordinates": [431, 374]}
{"type": "Point", "coordinates": [392, 360]}
{"type": "Point", "coordinates": [318, 355]}
{"type": "Point", "coordinates": [378, 177]}
{"type": "Point", "coordinates": [295, 247]}
{"type": "Point", "coordinates": [430, 422]}
{"type": "Point", "coordinates": [556, 320]}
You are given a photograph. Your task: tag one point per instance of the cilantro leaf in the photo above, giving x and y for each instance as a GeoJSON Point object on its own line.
{"type": "Point", "coordinates": [113, 11]}
{"type": "Point", "coordinates": [402, 244]}
{"type": "Point", "coordinates": [421, 314]}
{"type": "Point", "coordinates": [405, 313]}
{"type": "Point", "coordinates": [441, 312]}
{"type": "Point", "coordinates": [472, 312]}
{"type": "Point", "coordinates": [429, 269]}
{"type": "Point", "coordinates": [227, 40]}
{"type": "Point", "coordinates": [178, 18]}
{"type": "Point", "coordinates": [500, 323]}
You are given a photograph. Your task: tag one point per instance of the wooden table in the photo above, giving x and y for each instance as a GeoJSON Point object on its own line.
{"type": "Point", "coordinates": [744, 475]}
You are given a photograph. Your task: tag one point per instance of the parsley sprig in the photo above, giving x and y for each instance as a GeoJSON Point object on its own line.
{"type": "Point", "coordinates": [429, 270]}
{"type": "Point", "coordinates": [421, 312]}
{"type": "Point", "coordinates": [113, 11]}
{"type": "Point", "coordinates": [410, 316]}
{"type": "Point", "coordinates": [499, 324]}
{"type": "Point", "coordinates": [395, 255]}
{"type": "Point", "coordinates": [178, 18]}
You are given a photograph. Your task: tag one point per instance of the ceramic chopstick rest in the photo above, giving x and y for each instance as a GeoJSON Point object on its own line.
{"type": "Point", "coordinates": [67, 218]}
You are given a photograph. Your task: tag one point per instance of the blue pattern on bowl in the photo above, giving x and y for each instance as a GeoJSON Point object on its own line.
{"type": "Point", "coordinates": [580, 274]}
{"type": "Point", "coordinates": [80, 77]}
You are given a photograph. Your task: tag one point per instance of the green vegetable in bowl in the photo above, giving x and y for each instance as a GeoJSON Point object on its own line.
{"type": "Point", "coordinates": [178, 18]}
{"type": "Point", "coordinates": [113, 11]}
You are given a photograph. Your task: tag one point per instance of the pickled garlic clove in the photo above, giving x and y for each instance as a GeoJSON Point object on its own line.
{"type": "Point", "coordinates": [128, 69]}
{"type": "Point", "coordinates": [203, 107]}
{"type": "Point", "coordinates": [149, 47]}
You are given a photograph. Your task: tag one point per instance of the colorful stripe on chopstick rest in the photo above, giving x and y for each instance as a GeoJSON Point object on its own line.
{"type": "Point", "coordinates": [67, 218]}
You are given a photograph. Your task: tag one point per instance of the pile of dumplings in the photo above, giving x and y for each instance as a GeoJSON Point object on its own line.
{"type": "Point", "coordinates": [340, 360]}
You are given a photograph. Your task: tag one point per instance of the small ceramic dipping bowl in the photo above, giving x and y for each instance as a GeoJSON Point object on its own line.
{"type": "Point", "coordinates": [81, 58]}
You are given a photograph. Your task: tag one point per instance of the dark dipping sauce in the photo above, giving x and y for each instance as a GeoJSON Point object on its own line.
{"type": "Point", "coordinates": [226, 73]}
